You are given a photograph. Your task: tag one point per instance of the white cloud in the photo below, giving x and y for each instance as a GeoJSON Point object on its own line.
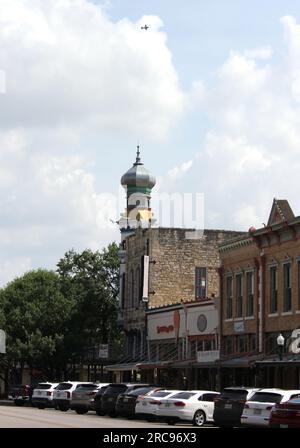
{"type": "Point", "coordinates": [178, 171]}
{"type": "Point", "coordinates": [251, 152]}
{"type": "Point", "coordinates": [66, 62]}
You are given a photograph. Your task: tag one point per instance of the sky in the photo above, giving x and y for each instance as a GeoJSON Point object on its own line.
{"type": "Point", "coordinates": [210, 92]}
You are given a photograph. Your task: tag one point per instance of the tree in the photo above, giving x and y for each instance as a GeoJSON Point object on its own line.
{"type": "Point", "coordinates": [91, 279]}
{"type": "Point", "coordinates": [35, 313]}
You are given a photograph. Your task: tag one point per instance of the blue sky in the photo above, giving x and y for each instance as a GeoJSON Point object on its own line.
{"type": "Point", "coordinates": [211, 91]}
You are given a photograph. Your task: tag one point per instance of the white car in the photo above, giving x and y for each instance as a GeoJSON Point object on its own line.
{"type": "Point", "coordinates": [257, 410]}
{"type": "Point", "coordinates": [62, 394]}
{"type": "Point", "coordinates": [196, 406]}
{"type": "Point", "coordinates": [42, 396]}
{"type": "Point", "coordinates": [147, 405]}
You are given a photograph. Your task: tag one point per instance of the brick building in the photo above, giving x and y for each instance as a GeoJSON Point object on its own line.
{"type": "Point", "coordinates": [260, 299]}
{"type": "Point", "coordinates": [160, 267]}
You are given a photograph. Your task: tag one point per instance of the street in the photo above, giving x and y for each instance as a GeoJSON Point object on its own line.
{"type": "Point", "coordinates": [28, 417]}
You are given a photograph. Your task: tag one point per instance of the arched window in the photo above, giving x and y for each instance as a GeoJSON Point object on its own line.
{"type": "Point", "coordinates": [131, 288]}
{"type": "Point", "coordinates": [137, 285]}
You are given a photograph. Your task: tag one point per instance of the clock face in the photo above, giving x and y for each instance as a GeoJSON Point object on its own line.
{"type": "Point", "coordinates": [202, 322]}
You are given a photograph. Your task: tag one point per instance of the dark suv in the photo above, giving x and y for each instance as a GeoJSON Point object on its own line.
{"type": "Point", "coordinates": [20, 393]}
{"type": "Point", "coordinates": [230, 404]}
{"type": "Point", "coordinates": [110, 396]}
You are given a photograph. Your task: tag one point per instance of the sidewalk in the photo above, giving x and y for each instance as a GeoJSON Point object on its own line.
{"type": "Point", "coordinates": [6, 402]}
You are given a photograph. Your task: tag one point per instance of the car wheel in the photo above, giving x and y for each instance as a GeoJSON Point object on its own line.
{"type": "Point", "coordinates": [81, 411]}
{"type": "Point", "coordinates": [19, 403]}
{"type": "Point", "coordinates": [171, 422]}
{"type": "Point", "coordinates": [41, 407]}
{"type": "Point", "coordinates": [199, 418]}
{"type": "Point", "coordinates": [63, 408]}
{"type": "Point", "coordinates": [100, 413]}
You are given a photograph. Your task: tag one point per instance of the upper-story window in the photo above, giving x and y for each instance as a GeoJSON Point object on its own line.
{"type": "Point", "coordinates": [239, 296]}
{"type": "Point", "coordinates": [131, 288]}
{"type": "Point", "coordinates": [200, 283]}
{"type": "Point", "coordinates": [273, 290]}
{"type": "Point", "coordinates": [250, 291]}
{"type": "Point", "coordinates": [137, 285]}
{"type": "Point", "coordinates": [287, 292]}
{"type": "Point", "coordinates": [123, 286]}
{"type": "Point", "coordinates": [228, 297]}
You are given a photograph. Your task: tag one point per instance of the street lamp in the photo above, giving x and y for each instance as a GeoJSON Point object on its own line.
{"type": "Point", "coordinates": [280, 343]}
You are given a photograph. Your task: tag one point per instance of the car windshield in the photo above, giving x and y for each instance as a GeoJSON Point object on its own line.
{"type": "Point", "coordinates": [116, 389]}
{"type": "Point", "coordinates": [64, 386]}
{"type": "Point", "coordinates": [161, 394]}
{"type": "Point", "coordinates": [43, 386]}
{"type": "Point", "coordinates": [234, 394]}
{"type": "Point", "coordinates": [183, 395]}
{"type": "Point", "coordinates": [87, 386]}
{"type": "Point", "coordinates": [294, 401]}
{"type": "Point", "coordinates": [140, 391]}
{"type": "Point", "coordinates": [266, 397]}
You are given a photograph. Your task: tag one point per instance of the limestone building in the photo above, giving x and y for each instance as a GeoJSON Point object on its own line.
{"type": "Point", "coordinates": [160, 267]}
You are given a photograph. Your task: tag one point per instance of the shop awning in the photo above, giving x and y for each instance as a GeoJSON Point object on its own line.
{"type": "Point", "coordinates": [122, 367]}
{"type": "Point", "coordinates": [293, 362]}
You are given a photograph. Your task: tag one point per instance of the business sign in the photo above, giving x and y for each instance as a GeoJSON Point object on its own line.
{"type": "Point", "coordinates": [202, 320]}
{"type": "Point", "coordinates": [2, 341]}
{"type": "Point", "coordinates": [239, 327]}
{"type": "Point", "coordinates": [103, 351]}
{"type": "Point", "coordinates": [208, 356]}
{"type": "Point", "coordinates": [166, 325]}
{"type": "Point", "coordinates": [145, 297]}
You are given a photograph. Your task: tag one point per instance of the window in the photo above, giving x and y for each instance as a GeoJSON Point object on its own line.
{"type": "Point", "coordinates": [200, 283]}
{"type": "Point", "coordinates": [242, 345]}
{"type": "Point", "coordinates": [273, 290]}
{"type": "Point", "coordinates": [137, 286]}
{"type": "Point", "coordinates": [298, 266]}
{"type": "Point", "coordinates": [287, 293]}
{"type": "Point", "coordinates": [252, 342]}
{"type": "Point", "coordinates": [123, 290]}
{"type": "Point", "coordinates": [132, 288]}
{"type": "Point", "coordinates": [250, 289]}
{"type": "Point", "coordinates": [229, 297]}
{"type": "Point", "coordinates": [239, 296]}
{"type": "Point", "coordinates": [228, 345]}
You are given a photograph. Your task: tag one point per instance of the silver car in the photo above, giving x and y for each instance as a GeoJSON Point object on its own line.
{"type": "Point", "coordinates": [83, 397]}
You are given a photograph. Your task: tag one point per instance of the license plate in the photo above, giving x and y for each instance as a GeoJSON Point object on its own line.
{"type": "Point", "coordinates": [125, 400]}
{"type": "Point", "coordinates": [167, 405]}
{"type": "Point", "coordinates": [144, 404]}
{"type": "Point", "coordinates": [283, 426]}
{"type": "Point", "coordinates": [257, 412]}
{"type": "Point", "coordinates": [228, 406]}
{"type": "Point", "coordinates": [39, 392]}
{"type": "Point", "coordinates": [110, 399]}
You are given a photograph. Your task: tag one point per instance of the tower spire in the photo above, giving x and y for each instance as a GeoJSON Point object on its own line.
{"type": "Point", "coordinates": [138, 158]}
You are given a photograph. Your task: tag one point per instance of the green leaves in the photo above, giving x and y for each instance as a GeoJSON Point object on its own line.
{"type": "Point", "coordinates": [54, 318]}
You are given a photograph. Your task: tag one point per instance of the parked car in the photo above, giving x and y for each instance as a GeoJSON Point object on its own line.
{"type": "Point", "coordinates": [230, 404]}
{"type": "Point", "coordinates": [125, 405]}
{"type": "Point", "coordinates": [42, 396]}
{"type": "Point", "coordinates": [83, 397]}
{"type": "Point", "coordinates": [20, 394]}
{"type": "Point", "coordinates": [195, 406]}
{"type": "Point", "coordinates": [98, 400]}
{"type": "Point", "coordinates": [286, 414]}
{"type": "Point", "coordinates": [110, 396]}
{"type": "Point", "coordinates": [146, 406]}
{"type": "Point", "coordinates": [257, 410]}
{"type": "Point", "coordinates": [62, 395]}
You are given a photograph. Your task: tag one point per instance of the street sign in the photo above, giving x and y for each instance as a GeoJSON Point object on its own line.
{"type": "Point", "coordinates": [2, 341]}
{"type": "Point", "coordinates": [103, 351]}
